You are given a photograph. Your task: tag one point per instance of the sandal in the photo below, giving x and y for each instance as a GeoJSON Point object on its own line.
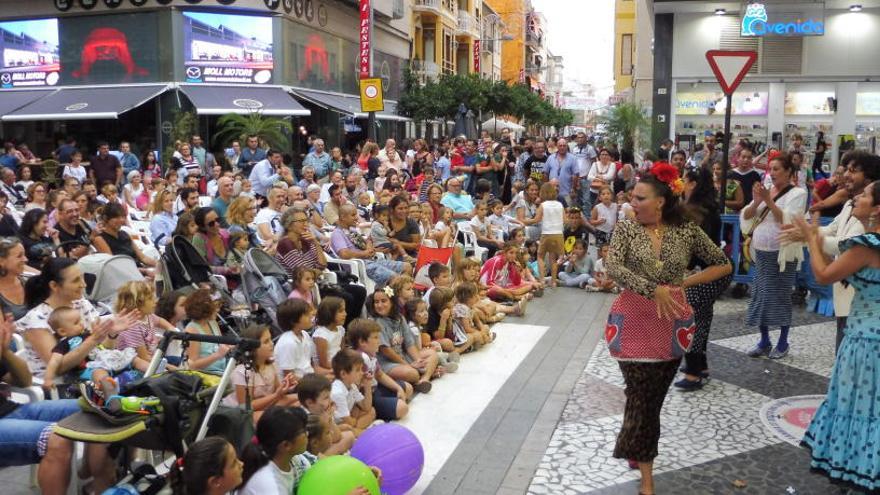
{"type": "Point", "coordinates": [440, 371]}
{"type": "Point", "coordinates": [422, 387]}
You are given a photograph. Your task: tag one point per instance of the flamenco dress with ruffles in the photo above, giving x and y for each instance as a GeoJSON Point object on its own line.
{"type": "Point", "coordinates": [844, 435]}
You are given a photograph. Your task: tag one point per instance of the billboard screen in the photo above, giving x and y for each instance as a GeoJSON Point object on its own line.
{"type": "Point", "coordinates": [29, 53]}
{"type": "Point", "coordinates": [109, 49]}
{"type": "Point", "coordinates": [227, 48]}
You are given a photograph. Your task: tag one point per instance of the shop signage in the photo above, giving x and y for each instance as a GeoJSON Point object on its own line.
{"type": "Point", "coordinates": [714, 103]}
{"type": "Point", "coordinates": [371, 95]}
{"type": "Point", "coordinates": [477, 56]}
{"type": "Point", "coordinates": [809, 103]}
{"type": "Point", "coordinates": [29, 53]}
{"type": "Point", "coordinates": [227, 48]}
{"type": "Point", "coordinates": [761, 19]}
{"type": "Point", "coordinates": [868, 103]}
{"type": "Point", "coordinates": [364, 35]}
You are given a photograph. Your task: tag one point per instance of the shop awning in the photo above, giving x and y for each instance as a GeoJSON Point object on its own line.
{"type": "Point", "coordinates": [96, 102]}
{"type": "Point", "coordinates": [13, 100]}
{"type": "Point", "coordinates": [347, 104]}
{"type": "Point", "coordinates": [219, 100]}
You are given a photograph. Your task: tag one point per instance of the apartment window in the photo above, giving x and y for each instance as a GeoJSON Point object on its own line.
{"type": "Point", "coordinates": [430, 49]}
{"type": "Point", "coordinates": [626, 55]}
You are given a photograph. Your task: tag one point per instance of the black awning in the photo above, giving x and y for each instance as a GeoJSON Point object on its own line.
{"type": "Point", "coordinates": [347, 104]}
{"type": "Point", "coordinates": [13, 100]}
{"type": "Point", "coordinates": [219, 100]}
{"type": "Point", "coordinates": [96, 102]}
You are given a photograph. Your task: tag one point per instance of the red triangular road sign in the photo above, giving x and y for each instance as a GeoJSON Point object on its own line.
{"type": "Point", "coordinates": [730, 67]}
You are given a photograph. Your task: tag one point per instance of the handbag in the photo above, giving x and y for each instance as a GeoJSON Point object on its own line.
{"type": "Point", "coordinates": [747, 238]}
{"type": "Point", "coordinates": [634, 333]}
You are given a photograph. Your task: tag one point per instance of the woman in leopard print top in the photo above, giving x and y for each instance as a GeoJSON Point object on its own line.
{"type": "Point", "coordinates": [650, 324]}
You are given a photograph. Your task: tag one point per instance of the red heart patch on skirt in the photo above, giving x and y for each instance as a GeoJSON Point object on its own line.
{"type": "Point", "coordinates": [685, 336]}
{"type": "Point", "coordinates": [610, 332]}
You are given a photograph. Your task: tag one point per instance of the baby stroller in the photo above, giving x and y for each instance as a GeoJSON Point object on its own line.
{"type": "Point", "coordinates": [265, 284]}
{"type": "Point", "coordinates": [184, 267]}
{"type": "Point", "coordinates": [183, 407]}
{"type": "Point", "coordinates": [104, 275]}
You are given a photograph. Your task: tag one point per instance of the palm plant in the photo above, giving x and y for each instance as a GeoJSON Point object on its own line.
{"type": "Point", "coordinates": [627, 124]}
{"type": "Point", "coordinates": [270, 131]}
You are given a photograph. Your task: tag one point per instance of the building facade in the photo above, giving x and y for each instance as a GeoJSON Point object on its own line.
{"type": "Point", "coordinates": [818, 84]}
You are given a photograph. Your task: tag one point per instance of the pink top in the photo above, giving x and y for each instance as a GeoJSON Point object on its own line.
{"type": "Point", "coordinates": [296, 294]}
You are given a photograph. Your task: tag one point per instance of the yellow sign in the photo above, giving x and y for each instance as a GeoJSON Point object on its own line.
{"type": "Point", "coordinates": [371, 95]}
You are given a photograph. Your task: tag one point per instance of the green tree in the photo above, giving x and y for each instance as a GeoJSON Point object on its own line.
{"type": "Point", "coordinates": [271, 131]}
{"type": "Point", "coordinates": [628, 124]}
{"type": "Point", "coordinates": [183, 125]}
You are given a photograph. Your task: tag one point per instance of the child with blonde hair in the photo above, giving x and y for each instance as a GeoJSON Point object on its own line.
{"type": "Point", "coordinates": [551, 215]}
{"type": "Point", "coordinates": [466, 299]}
{"type": "Point", "coordinates": [143, 336]}
{"type": "Point", "coordinates": [487, 310]}
{"type": "Point", "coordinates": [441, 324]}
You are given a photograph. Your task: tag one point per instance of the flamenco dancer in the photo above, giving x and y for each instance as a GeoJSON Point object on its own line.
{"type": "Point", "coordinates": [651, 325]}
{"type": "Point", "coordinates": [845, 430]}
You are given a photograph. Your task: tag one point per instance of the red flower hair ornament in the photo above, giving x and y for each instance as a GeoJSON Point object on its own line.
{"type": "Point", "coordinates": [669, 175]}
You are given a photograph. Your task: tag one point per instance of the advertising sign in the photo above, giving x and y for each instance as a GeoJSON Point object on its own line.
{"type": "Point", "coordinates": [29, 53]}
{"type": "Point", "coordinates": [227, 48]}
{"type": "Point", "coordinates": [371, 95]}
{"type": "Point", "coordinates": [868, 103]}
{"type": "Point", "coordinates": [109, 49]}
{"type": "Point", "coordinates": [365, 31]}
{"type": "Point", "coordinates": [744, 103]}
{"type": "Point", "coordinates": [761, 19]}
{"type": "Point", "coordinates": [809, 103]}
{"type": "Point", "coordinates": [477, 56]}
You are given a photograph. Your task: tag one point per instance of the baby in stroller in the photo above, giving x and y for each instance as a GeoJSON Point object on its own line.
{"type": "Point", "coordinates": [106, 368]}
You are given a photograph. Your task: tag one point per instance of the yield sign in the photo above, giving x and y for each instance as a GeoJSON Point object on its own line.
{"type": "Point", "coordinates": [730, 67]}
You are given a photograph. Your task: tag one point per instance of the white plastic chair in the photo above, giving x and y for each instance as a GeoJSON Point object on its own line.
{"type": "Point", "coordinates": [356, 267]}
{"type": "Point", "coordinates": [470, 241]}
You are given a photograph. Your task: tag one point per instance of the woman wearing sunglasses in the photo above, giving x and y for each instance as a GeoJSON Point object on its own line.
{"type": "Point", "coordinates": [212, 241]}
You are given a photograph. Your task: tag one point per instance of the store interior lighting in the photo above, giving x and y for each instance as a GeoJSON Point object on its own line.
{"type": "Point", "coordinates": [855, 8]}
{"type": "Point", "coordinates": [724, 11]}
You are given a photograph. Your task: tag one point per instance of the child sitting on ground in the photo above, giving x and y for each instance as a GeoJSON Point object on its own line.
{"type": "Point", "coordinates": [353, 407]}
{"type": "Point", "coordinates": [518, 236]}
{"type": "Point", "coordinates": [441, 323]}
{"type": "Point", "coordinates": [295, 347]}
{"type": "Point", "coordinates": [402, 285]}
{"type": "Point", "coordinates": [602, 282]}
{"type": "Point", "coordinates": [578, 270]}
{"type": "Point", "coordinates": [79, 354]}
{"type": "Point", "coordinates": [487, 310]}
{"type": "Point", "coordinates": [440, 276]}
{"type": "Point", "coordinates": [389, 396]}
{"type": "Point", "coordinates": [329, 333]}
{"type": "Point", "coordinates": [313, 391]}
{"type": "Point", "coordinates": [212, 466]}
{"type": "Point", "coordinates": [575, 228]}
{"type": "Point", "coordinates": [501, 274]}
{"type": "Point", "coordinates": [274, 465]}
{"type": "Point", "coordinates": [466, 297]}
{"type": "Point", "coordinates": [303, 284]}
{"type": "Point", "coordinates": [416, 312]}
{"type": "Point", "coordinates": [399, 352]}
{"type": "Point", "coordinates": [259, 378]}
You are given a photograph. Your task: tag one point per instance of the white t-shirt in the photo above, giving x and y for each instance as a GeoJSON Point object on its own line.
{"type": "Point", "coordinates": [294, 353]}
{"type": "Point", "coordinates": [269, 480]}
{"type": "Point", "coordinates": [272, 217]}
{"type": "Point", "coordinates": [345, 398]}
{"type": "Point", "coordinates": [552, 220]}
{"type": "Point", "coordinates": [334, 339]}
{"type": "Point", "coordinates": [38, 318]}
{"type": "Point", "coordinates": [481, 227]}
{"type": "Point", "coordinates": [372, 364]}
{"type": "Point", "coordinates": [78, 173]}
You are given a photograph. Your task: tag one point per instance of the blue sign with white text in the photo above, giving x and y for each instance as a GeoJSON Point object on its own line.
{"type": "Point", "coordinates": [758, 21]}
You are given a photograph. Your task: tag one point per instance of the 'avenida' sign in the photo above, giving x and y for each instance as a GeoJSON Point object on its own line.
{"type": "Point", "coordinates": [783, 19]}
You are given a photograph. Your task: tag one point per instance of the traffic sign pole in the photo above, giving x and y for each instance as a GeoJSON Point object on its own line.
{"type": "Point", "coordinates": [730, 68]}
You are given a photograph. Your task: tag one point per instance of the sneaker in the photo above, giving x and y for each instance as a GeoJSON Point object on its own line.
{"type": "Point", "coordinates": [451, 367]}
{"type": "Point", "coordinates": [759, 351]}
{"type": "Point", "coordinates": [422, 387]}
{"type": "Point", "coordinates": [520, 308]}
{"type": "Point", "coordinates": [686, 385]}
{"type": "Point", "coordinates": [590, 288]}
{"type": "Point", "coordinates": [777, 354]}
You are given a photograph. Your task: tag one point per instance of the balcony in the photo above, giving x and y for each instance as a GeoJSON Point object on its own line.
{"type": "Point", "coordinates": [468, 25]}
{"type": "Point", "coordinates": [534, 39]}
{"type": "Point", "coordinates": [436, 7]}
{"type": "Point", "coordinates": [448, 67]}
{"type": "Point", "coordinates": [425, 70]}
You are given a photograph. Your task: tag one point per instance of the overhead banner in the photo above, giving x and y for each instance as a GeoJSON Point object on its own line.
{"type": "Point", "coordinates": [477, 56]}
{"type": "Point", "coordinates": [29, 51]}
{"type": "Point", "coordinates": [809, 103]}
{"type": "Point", "coordinates": [364, 39]}
{"type": "Point", "coordinates": [227, 48]}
